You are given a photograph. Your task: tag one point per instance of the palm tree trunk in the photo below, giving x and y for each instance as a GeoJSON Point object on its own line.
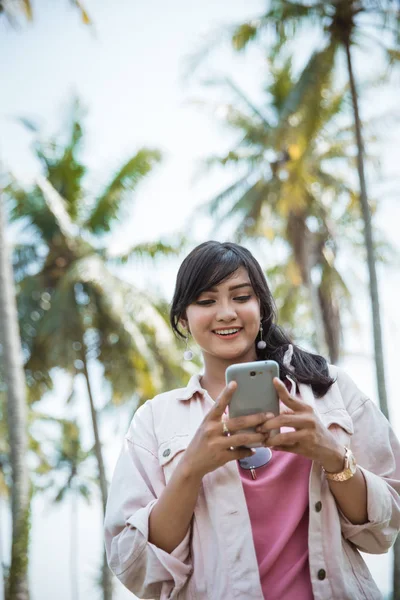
{"type": "Point", "coordinates": [17, 588]}
{"type": "Point", "coordinates": [298, 235]}
{"type": "Point", "coordinates": [331, 318]}
{"type": "Point", "coordinates": [369, 244]}
{"type": "Point", "coordinates": [106, 578]}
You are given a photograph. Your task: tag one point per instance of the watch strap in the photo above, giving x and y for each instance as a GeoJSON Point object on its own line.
{"type": "Point", "coordinates": [349, 470]}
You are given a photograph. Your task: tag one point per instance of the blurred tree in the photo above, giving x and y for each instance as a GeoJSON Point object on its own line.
{"type": "Point", "coordinates": [73, 309]}
{"type": "Point", "coordinates": [12, 9]}
{"type": "Point", "coordinates": [64, 474]}
{"type": "Point", "coordinates": [343, 24]}
{"type": "Point", "coordinates": [288, 178]}
{"type": "Point", "coordinates": [16, 413]}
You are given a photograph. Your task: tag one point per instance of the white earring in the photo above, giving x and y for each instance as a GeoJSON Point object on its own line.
{"type": "Point", "coordinates": [188, 354]}
{"type": "Point", "coordinates": [261, 345]}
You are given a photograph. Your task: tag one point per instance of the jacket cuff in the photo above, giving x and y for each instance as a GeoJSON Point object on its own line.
{"type": "Point", "coordinates": [177, 562]}
{"type": "Point", "coordinates": [379, 507]}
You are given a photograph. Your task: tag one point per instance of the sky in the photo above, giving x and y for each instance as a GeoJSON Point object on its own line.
{"type": "Point", "coordinates": [128, 71]}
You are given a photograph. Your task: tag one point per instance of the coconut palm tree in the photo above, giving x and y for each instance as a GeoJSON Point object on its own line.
{"type": "Point", "coordinates": [74, 308]}
{"type": "Point", "coordinates": [17, 585]}
{"type": "Point", "coordinates": [343, 23]}
{"type": "Point", "coordinates": [285, 187]}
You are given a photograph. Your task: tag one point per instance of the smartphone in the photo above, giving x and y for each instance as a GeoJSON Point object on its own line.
{"type": "Point", "coordinates": [255, 392]}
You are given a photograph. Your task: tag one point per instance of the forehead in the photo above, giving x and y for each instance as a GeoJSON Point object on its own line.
{"type": "Point", "coordinates": [236, 278]}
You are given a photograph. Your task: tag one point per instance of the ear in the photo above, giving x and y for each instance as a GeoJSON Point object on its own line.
{"type": "Point", "coordinates": [184, 324]}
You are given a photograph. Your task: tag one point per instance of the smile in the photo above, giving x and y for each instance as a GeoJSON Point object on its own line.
{"type": "Point", "coordinates": [228, 333]}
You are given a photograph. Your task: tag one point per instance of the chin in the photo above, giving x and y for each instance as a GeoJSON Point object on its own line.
{"type": "Point", "coordinates": [235, 355]}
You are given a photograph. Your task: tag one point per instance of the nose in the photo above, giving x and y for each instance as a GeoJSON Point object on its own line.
{"type": "Point", "coordinates": [226, 313]}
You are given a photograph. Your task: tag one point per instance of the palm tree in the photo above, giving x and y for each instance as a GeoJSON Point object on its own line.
{"type": "Point", "coordinates": [73, 308]}
{"type": "Point", "coordinates": [284, 189]}
{"type": "Point", "coordinates": [17, 585]}
{"type": "Point", "coordinates": [343, 23]}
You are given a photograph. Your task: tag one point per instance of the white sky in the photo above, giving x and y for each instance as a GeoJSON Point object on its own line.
{"type": "Point", "coordinates": [129, 76]}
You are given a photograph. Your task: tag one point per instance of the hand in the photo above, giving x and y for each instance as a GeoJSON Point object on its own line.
{"type": "Point", "coordinates": [310, 439]}
{"type": "Point", "coordinates": [210, 448]}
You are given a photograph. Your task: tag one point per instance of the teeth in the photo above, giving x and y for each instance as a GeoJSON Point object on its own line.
{"type": "Point", "coordinates": [226, 331]}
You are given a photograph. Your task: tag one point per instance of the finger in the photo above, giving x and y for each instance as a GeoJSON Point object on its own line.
{"type": "Point", "coordinates": [239, 453]}
{"type": "Point", "coordinates": [244, 439]}
{"type": "Point", "coordinates": [222, 401]}
{"type": "Point", "coordinates": [296, 420]}
{"type": "Point", "coordinates": [293, 403]}
{"type": "Point", "coordinates": [244, 422]}
{"type": "Point", "coordinates": [288, 439]}
{"type": "Point", "coordinates": [296, 449]}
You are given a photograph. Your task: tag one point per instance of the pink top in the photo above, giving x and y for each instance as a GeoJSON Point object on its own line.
{"type": "Point", "coordinates": [279, 521]}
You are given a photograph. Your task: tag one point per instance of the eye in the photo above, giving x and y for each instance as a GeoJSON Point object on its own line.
{"type": "Point", "coordinates": [204, 302]}
{"type": "Point", "coordinates": [243, 298]}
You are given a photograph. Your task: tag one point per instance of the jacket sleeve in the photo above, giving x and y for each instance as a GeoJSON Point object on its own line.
{"type": "Point", "coordinates": [377, 451]}
{"type": "Point", "coordinates": [137, 483]}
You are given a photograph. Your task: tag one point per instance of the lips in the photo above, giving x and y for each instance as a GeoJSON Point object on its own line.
{"type": "Point", "coordinates": [228, 332]}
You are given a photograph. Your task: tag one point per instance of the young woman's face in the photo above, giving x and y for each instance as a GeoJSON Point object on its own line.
{"type": "Point", "coordinates": [224, 321]}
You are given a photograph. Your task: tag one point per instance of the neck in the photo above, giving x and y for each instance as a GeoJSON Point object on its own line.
{"type": "Point", "coordinates": [213, 379]}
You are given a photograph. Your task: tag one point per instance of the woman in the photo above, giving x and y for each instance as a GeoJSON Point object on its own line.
{"type": "Point", "coordinates": [192, 514]}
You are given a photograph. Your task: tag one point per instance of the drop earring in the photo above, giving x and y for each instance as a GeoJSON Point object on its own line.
{"type": "Point", "coordinates": [261, 345]}
{"type": "Point", "coordinates": [188, 354]}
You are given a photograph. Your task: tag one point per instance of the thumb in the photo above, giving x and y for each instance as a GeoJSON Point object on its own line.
{"type": "Point", "coordinates": [223, 401]}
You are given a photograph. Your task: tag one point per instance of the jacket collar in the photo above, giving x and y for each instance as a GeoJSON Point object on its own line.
{"type": "Point", "coordinates": [194, 386]}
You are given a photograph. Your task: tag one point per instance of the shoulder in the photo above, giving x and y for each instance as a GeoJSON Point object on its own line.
{"type": "Point", "coordinates": [159, 409]}
{"type": "Point", "coordinates": [352, 396]}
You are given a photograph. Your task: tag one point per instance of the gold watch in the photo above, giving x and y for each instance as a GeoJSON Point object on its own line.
{"type": "Point", "coordinates": [350, 467]}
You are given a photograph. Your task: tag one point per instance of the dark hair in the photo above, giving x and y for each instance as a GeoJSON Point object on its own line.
{"type": "Point", "coordinates": [211, 263]}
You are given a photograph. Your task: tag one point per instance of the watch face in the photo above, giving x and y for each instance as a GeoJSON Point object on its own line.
{"type": "Point", "coordinates": [352, 462]}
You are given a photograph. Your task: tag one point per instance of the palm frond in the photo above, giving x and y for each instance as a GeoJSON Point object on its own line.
{"type": "Point", "coordinates": [57, 207]}
{"type": "Point", "coordinates": [108, 205]}
{"type": "Point", "coordinates": [307, 92]}
{"type": "Point", "coordinates": [60, 160]}
{"type": "Point", "coordinates": [207, 45]}
{"type": "Point", "coordinates": [83, 12]}
{"type": "Point", "coordinates": [244, 98]}
{"type": "Point", "coordinates": [152, 250]}
{"type": "Point", "coordinates": [238, 188]}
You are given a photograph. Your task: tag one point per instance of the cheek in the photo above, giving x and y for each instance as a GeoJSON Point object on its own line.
{"type": "Point", "coordinates": [197, 319]}
{"type": "Point", "coordinates": [251, 312]}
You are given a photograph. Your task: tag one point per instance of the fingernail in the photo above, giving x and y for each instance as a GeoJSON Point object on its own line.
{"type": "Point", "coordinates": [253, 450]}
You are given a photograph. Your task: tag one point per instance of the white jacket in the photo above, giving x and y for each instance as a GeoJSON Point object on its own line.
{"type": "Point", "coordinates": [216, 560]}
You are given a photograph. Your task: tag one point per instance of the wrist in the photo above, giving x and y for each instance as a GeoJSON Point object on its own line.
{"type": "Point", "coordinates": [334, 461]}
{"type": "Point", "coordinates": [188, 473]}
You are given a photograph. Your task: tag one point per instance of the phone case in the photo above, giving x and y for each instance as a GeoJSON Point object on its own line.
{"type": "Point", "coordinates": [255, 392]}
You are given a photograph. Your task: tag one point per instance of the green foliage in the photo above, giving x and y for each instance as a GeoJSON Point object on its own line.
{"type": "Point", "coordinates": [68, 298]}
{"type": "Point", "coordinates": [286, 174]}
{"type": "Point", "coordinates": [108, 205]}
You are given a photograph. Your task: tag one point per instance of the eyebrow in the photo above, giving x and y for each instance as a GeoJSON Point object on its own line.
{"type": "Point", "coordinates": [233, 287]}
